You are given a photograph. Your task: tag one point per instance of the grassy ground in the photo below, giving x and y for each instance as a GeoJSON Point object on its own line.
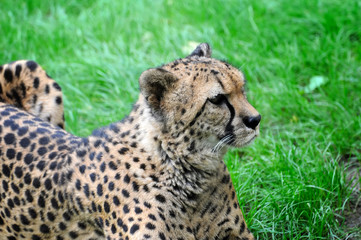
{"type": "Point", "coordinates": [303, 64]}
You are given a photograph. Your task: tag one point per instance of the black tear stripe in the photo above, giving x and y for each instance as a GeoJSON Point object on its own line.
{"type": "Point", "coordinates": [229, 128]}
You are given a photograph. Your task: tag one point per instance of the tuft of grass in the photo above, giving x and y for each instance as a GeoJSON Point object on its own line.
{"type": "Point", "coordinates": [289, 182]}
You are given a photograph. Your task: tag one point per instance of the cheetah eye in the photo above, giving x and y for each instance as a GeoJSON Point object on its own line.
{"type": "Point", "coordinates": [217, 100]}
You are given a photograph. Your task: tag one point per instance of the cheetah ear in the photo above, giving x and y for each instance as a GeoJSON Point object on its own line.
{"type": "Point", "coordinates": [154, 84]}
{"type": "Point", "coordinates": [202, 50]}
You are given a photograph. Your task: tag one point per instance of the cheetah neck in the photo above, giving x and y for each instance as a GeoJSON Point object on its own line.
{"type": "Point", "coordinates": [181, 166]}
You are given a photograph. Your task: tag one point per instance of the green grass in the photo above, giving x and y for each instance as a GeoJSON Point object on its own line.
{"type": "Point", "coordinates": [290, 182]}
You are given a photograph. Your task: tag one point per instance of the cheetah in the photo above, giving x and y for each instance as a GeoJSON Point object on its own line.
{"type": "Point", "coordinates": [156, 174]}
{"type": "Point", "coordinates": [26, 85]}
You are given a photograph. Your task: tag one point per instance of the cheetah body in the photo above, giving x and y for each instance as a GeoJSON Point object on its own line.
{"type": "Point", "coordinates": [157, 174]}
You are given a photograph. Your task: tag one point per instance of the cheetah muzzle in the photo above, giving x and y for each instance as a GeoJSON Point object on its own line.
{"type": "Point", "coordinates": [157, 174]}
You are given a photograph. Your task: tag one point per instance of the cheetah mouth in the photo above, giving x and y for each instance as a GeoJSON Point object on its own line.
{"type": "Point", "coordinates": [248, 142]}
{"type": "Point", "coordinates": [238, 143]}
{"type": "Point", "coordinates": [231, 140]}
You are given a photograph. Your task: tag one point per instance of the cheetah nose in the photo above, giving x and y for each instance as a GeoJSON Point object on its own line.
{"type": "Point", "coordinates": [252, 122]}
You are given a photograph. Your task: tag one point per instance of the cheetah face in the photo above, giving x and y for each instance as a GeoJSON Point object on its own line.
{"type": "Point", "coordinates": [203, 98]}
{"type": "Point", "coordinates": [232, 121]}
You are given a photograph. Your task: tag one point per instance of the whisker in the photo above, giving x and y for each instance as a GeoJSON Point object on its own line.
{"type": "Point", "coordinates": [226, 139]}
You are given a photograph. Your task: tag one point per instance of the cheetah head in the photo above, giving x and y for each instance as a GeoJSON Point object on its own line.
{"type": "Point", "coordinates": [201, 101]}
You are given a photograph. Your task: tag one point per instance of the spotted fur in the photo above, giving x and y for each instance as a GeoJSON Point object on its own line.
{"type": "Point", "coordinates": [157, 174]}
{"type": "Point", "coordinates": [26, 85]}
